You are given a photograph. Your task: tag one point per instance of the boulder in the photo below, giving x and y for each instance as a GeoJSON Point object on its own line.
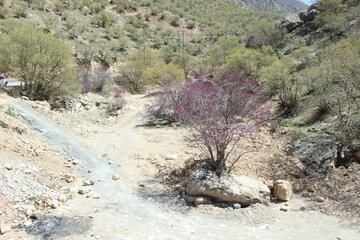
{"type": "Point", "coordinates": [292, 22]}
{"type": "Point", "coordinates": [318, 152]}
{"type": "Point", "coordinates": [228, 188]}
{"type": "Point", "coordinates": [282, 190]}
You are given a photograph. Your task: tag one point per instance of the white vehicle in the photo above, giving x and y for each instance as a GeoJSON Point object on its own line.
{"type": "Point", "coordinates": [3, 81]}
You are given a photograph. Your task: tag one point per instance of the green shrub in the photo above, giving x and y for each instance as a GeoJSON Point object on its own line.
{"type": "Point", "coordinates": [105, 19]}
{"type": "Point", "coordinates": [44, 63]}
{"type": "Point", "coordinates": [162, 74]}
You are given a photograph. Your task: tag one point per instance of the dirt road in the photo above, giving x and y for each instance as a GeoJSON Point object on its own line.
{"type": "Point", "coordinates": [122, 213]}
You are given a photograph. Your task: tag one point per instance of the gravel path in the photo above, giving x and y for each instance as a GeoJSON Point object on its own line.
{"type": "Point", "coordinates": [121, 214]}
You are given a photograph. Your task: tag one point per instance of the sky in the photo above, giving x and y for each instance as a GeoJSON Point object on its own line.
{"type": "Point", "coordinates": [308, 2]}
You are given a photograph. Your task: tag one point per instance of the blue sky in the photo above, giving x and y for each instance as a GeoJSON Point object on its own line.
{"type": "Point", "coordinates": [308, 2]}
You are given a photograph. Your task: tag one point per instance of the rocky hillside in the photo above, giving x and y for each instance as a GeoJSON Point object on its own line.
{"type": "Point", "coordinates": [276, 6]}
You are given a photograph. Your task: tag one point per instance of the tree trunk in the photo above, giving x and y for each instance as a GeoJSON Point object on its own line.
{"type": "Point", "coordinates": [220, 166]}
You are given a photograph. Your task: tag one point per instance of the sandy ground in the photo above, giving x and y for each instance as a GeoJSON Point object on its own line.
{"type": "Point", "coordinates": [141, 205]}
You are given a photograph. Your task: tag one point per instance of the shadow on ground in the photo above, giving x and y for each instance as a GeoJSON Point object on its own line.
{"type": "Point", "coordinates": [53, 227]}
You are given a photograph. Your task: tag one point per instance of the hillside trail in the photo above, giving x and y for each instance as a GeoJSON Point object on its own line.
{"type": "Point", "coordinates": [123, 213]}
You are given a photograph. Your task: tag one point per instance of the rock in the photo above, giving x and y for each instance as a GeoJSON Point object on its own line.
{"type": "Point", "coordinates": [190, 163]}
{"type": "Point", "coordinates": [179, 172]}
{"type": "Point", "coordinates": [201, 200]}
{"type": "Point", "coordinates": [83, 191]}
{"type": "Point", "coordinates": [28, 212]}
{"type": "Point", "coordinates": [291, 22]}
{"type": "Point", "coordinates": [282, 190]}
{"type": "Point", "coordinates": [27, 224]}
{"type": "Point", "coordinates": [115, 177]}
{"type": "Point", "coordinates": [36, 215]}
{"type": "Point", "coordinates": [284, 209]}
{"type": "Point", "coordinates": [93, 196]}
{"type": "Point", "coordinates": [9, 166]}
{"type": "Point", "coordinates": [228, 188]}
{"type": "Point", "coordinates": [89, 170]}
{"type": "Point", "coordinates": [4, 228]}
{"type": "Point", "coordinates": [76, 162]}
{"type": "Point", "coordinates": [142, 185]}
{"type": "Point", "coordinates": [237, 206]}
{"type": "Point", "coordinates": [171, 157]}
{"type": "Point", "coordinates": [88, 183]}
{"type": "Point", "coordinates": [70, 179]}
{"type": "Point", "coordinates": [319, 199]}
{"type": "Point", "coordinates": [62, 198]}
{"type": "Point", "coordinates": [317, 152]}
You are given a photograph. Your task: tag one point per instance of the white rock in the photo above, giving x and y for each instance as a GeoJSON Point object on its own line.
{"type": "Point", "coordinates": [201, 200]}
{"type": "Point", "coordinates": [228, 188]}
{"type": "Point", "coordinates": [76, 162]}
{"type": "Point", "coordinates": [115, 177]}
{"type": "Point", "coordinates": [83, 191]}
{"type": "Point", "coordinates": [9, 166]}
{"type": "Point", "coordinates": [62, 198]}
{"type": "Point", "coordinates": [171, 157]}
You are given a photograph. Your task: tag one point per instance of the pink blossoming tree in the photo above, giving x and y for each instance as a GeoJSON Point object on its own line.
{"type": "Point", "coordinates": [219, 108]}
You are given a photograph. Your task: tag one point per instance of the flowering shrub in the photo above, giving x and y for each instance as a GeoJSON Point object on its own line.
{"type": "Point", "coordinates": [219, 108]}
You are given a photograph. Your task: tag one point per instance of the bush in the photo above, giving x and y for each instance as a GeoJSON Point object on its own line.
{"type": "Point", "coordinates": [281, 81]}
{"type": "Point", "coordinates": [162, 74]}
{"type": "Point", "coordinates": [105, 19]}
{"type": "Point", "coordinates": [44, 63]}
{"type": "Point", "coordinates": [219, 108]}
{"type": "Point", "coordinates": [175, 21]}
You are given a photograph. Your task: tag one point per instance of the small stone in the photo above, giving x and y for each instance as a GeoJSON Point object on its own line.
{"type": "Point", "coordinates": [141, 185]}
{"type": "Point", "coordinates": [76, 162]}
{"type": "Point", "coordinates": [237, 205]}
{"type": "Point", "coordinates": [320, 199]}
{"type": "Point", "coordinates": [91, 216]}
{"type": "Point", "coordinates": [201, 200]}
{"type": "Point", "coordinates": [179, 172]}
{"type": "Point", "coordinates": [9, 167]}
{"type": "Point", "coordinates": [54, 204]}
{"type": "Point", "coordinates": [28, 212]}
{"type": "Point", "coordinates": [27, 224]}
{"type": "Point", "coordinates": [93, 196]}
{"type": "Point", "coordinates": [115, 177]}
{"type": "Point", "coordinates": [36, 215]}
{"type": "Point", "coordinates": [88, 183]}
{"type": "Point", "coordinates": [70, 179]}
{"type": "Point", "coordinates": [83, 191]}
{"type": "Point", "coordinates": [89, 170]}
{"type": "Point", "coordinates": [4, 228]}
{"type": "Point", "coordinates": [62, 198]}
{"type": "Point", "coordinates": [171, 157]}
{"type": "Point", "coordinates": [284, 209]}
{"type": "Point", "coordinates": [48, 201]}
{"type": "Point", "coordinates": [190, 163]}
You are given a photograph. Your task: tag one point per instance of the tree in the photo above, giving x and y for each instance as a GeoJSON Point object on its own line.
{"type": "Point", "coordinates": [219, 108]}
{"type": "Point", "coordinates": [44, 63]}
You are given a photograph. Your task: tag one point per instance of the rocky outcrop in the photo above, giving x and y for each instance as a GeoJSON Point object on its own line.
{"type": "Point", "coordinates": [294, 21]}
{"type": "Point", "coordinates": [319, 152]}
{"type": "Point", "coordinates": [228, 188]}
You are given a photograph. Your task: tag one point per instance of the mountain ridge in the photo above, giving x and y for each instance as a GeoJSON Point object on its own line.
{"type": "Point", "coordinates": [276, 6]}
